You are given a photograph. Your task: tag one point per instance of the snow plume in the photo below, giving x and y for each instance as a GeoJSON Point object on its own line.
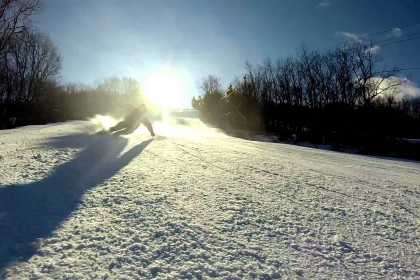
{"type": "Point", "coordinates": [184, 127]}
{"type": "Point", "coordinates": [405, 88]}
{"type": "Point", "coordinates": [167, 126]}
{"type": "Point", "coordinates": [103, 122]}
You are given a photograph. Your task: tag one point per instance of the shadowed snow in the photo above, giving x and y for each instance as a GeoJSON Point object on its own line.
{"type": "Point", "coordinates": [32, 211]}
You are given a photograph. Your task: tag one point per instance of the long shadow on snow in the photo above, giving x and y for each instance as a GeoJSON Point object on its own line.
{"type": "Point", "coordinates": [35, 210]}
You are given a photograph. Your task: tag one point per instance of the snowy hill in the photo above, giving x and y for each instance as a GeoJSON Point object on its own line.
{"type": "Point", "coordinates": [195, 203]}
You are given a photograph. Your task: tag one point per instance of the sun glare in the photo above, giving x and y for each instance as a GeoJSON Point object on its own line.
{"type": "Point", "coordinates": [166, 88]}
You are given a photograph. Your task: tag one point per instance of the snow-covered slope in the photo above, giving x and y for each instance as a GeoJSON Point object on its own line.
{"type": "Point", "coordinates": [194, 203]}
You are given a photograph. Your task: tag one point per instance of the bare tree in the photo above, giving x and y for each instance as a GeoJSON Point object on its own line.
{"type": "Point", "coordinates": [370, 83]}
{"type": "Point", "coordinates": [14, 18]}
{"type": "Point", "coordinates": [211, 85]}
{"type": "Point", "coordinates": [31, 61]}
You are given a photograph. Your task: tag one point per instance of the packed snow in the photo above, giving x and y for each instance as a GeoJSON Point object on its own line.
{"type": "Point", "coordinates": [193, 203]}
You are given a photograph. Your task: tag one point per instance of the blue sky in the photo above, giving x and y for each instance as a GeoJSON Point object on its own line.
{"type": "Point", "coordinates": [102, 38]}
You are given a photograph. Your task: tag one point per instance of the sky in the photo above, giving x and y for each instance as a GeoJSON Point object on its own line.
{"type": "Point", "coordinates": [102, 38]}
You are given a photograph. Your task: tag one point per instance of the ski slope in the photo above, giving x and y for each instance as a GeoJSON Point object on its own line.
{"type": "Point", "coordinates": [194, 203]}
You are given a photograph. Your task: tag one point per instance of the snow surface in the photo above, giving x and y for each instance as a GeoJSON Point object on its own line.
{"type": "Point", "coordinates": [194, 203]}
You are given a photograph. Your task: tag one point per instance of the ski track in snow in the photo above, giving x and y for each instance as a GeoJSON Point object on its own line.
{"type": "Point", "coordinates": [81, 206]}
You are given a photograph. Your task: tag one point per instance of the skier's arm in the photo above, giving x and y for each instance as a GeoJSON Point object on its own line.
{"type": "Point", "coordinates": [149, 126]}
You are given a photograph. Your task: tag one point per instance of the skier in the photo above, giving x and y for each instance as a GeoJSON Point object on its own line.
{"type": "Point", "coordinates": [132, 121]}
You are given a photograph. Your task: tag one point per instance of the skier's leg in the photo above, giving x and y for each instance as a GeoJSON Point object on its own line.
{"type": "Point", "coordinates": [118, 126]}
{"type": "Point", "coordinates": [149, 126]}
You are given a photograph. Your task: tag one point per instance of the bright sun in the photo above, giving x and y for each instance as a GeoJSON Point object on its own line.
{"type": "Point", "coordinates": [166, 88]}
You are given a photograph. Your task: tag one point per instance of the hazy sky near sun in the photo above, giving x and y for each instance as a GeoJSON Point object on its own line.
{"type": "Point", "coordinates": [102, 38]}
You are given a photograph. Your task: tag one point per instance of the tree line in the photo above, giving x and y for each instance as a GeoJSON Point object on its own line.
{"type": "Point", "coordinates": [338, 97]}
{"type": "Point", "coordinates": [29, 67]}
